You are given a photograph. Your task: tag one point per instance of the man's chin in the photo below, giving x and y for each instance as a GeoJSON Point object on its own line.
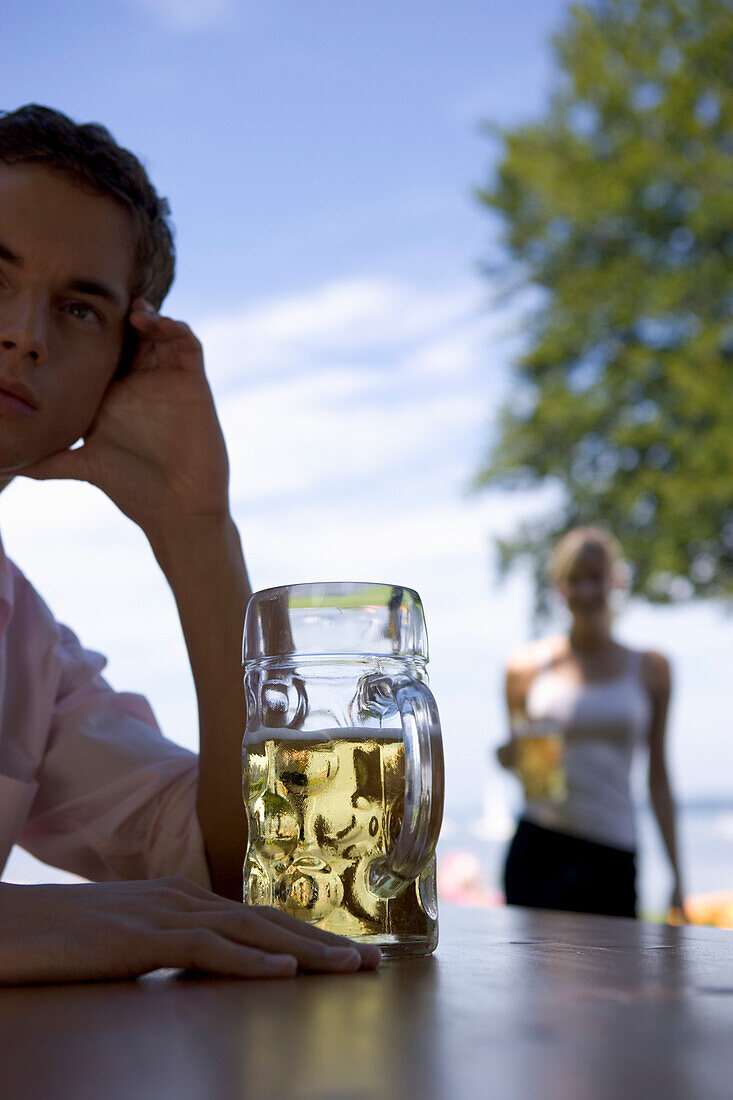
{"type": "Point", "coordinates": [15, 461]}
{"type": "Point", "coordinates": [17, 465]}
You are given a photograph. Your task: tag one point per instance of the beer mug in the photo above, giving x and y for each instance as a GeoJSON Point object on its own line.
{"type": "Point", "coordinates": [342, 773]}
{"type": "Point", "coordinates": [539, 749]}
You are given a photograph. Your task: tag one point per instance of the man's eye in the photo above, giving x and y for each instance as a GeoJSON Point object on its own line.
{"type": "Point", "coordinates": [83, 311]}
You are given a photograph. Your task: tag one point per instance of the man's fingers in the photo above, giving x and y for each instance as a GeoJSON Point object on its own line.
{"type": "Point", "coordinates": [371, 955]}
{"type": "Point", "coordinates": [254, 931]}
{"type": "Point", "coordinates": [166, 343]}
{"type": "Point", "coordinates": [195, 912]}
{"type": "Point", "coordinates": [202, 949]}
{"type": "Point", "coordinates": [145, 358]}
{"type": "Point", "coordinates": [64, 464]}
{"type": "Point", "coordinates": [244, 926]}
{"type": "Point", "coordinates": [269, 930]}
{"type": "Point", "coordinates": [163, 330]}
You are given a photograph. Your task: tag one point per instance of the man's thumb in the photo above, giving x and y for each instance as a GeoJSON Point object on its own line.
{"type": "Point", "coordinates": [64, 464]}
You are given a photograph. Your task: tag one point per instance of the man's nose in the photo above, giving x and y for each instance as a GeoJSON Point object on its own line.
{"type": "Point", "coordinates": [23, 330]}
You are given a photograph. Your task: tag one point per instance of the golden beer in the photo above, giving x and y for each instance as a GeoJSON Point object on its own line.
{"type": "Point", "coordinates": [321, 807]}
{"type": "Point", "coordinates": [538, 763]}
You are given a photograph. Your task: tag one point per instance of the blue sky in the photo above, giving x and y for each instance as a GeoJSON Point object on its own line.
{"type": "Point", "coordinates": [320, 159]}
{"type": "Point", "coordinates": [295, 138]}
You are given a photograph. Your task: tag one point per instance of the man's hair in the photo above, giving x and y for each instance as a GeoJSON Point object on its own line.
{"type": "Point", "coordinates": [89, 156]}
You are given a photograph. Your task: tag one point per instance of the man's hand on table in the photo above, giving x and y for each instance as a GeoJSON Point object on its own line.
{"type": "Point", "coordinates": [124, 929]}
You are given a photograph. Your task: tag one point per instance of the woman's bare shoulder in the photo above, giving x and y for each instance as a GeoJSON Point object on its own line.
{"type": "Point", "coordinates": [655, 670]}
{"type": "Point", "coordinates": [528, 658]}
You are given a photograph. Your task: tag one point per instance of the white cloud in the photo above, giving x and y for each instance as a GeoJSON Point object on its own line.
{"type": "Point", "coordinates": [315, 434]}
{"type": "Point", "coordinates": [359, 318]}
{"type": "Point", "coordinates": [349, 387]}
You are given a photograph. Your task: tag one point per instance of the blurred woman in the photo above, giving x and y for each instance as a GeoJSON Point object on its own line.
{"type": "Point", "coordinates": [579, 704]}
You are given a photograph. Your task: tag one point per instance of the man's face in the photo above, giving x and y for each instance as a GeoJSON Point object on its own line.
{"type": "Point", "coordinates": [66, 268]}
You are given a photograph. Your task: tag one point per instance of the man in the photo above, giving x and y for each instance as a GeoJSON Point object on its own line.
{"type": "Point", "coordinates": [86, 780]}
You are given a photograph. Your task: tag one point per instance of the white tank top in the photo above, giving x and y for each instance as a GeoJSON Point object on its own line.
{"type": "Point", "coordinates": [601, 722]}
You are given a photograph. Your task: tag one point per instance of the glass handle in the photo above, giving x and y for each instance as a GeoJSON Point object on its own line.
{"type": "Point", "coordinates": [424, 782]}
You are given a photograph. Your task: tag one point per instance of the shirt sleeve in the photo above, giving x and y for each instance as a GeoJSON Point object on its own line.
{"type": "Point", "coordinates": [116, 800]}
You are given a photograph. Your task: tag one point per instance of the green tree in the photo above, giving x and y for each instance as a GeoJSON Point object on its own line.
{"type": "Point", "coordinates": [618, 207]}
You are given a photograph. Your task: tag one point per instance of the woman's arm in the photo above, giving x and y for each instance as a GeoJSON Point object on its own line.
{"type": "Point", "coordinates": [519, 673]}
{"type": "Point", "coordinates": [656, 672]}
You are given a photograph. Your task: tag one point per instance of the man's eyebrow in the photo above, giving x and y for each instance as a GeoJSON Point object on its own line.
{"type": "Point", "coordinates": [81, 286]}
{"type": "Point", "coordinates": [9, 256]}
{"type": "Point", "coordinates": [100, 290]}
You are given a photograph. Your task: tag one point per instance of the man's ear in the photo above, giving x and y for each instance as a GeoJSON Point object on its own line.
{"type": "Point", "coordinates": [129, 347]}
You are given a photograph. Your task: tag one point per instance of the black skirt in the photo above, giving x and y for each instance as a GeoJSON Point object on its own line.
{"type": "Point", "coordinates": [546, 869]}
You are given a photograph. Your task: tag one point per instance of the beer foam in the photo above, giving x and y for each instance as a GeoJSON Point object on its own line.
{"type": "Point", "coordinates": [330, 733]}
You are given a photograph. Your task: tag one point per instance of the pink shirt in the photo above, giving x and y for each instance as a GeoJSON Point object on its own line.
{"type": "Point", "coordinates": [87, 781]}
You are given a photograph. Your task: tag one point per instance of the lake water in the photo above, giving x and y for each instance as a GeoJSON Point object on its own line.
{"type": "Point", "coordinates": [705, 838]}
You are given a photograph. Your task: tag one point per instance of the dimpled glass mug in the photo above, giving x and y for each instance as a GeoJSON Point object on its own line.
{"type": "Point", "coordinates": [342, 772]}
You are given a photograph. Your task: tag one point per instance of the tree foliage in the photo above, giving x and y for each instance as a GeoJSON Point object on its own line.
{"type": "Point", "coordinates": [618, 206]}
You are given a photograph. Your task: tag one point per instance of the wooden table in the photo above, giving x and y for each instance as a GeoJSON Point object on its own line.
{"type": "Point", "coordinates": [514, 1004]}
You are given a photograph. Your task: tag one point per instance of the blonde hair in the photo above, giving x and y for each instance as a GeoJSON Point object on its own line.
{"type": "Point", "coordinates": [572, 545]}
